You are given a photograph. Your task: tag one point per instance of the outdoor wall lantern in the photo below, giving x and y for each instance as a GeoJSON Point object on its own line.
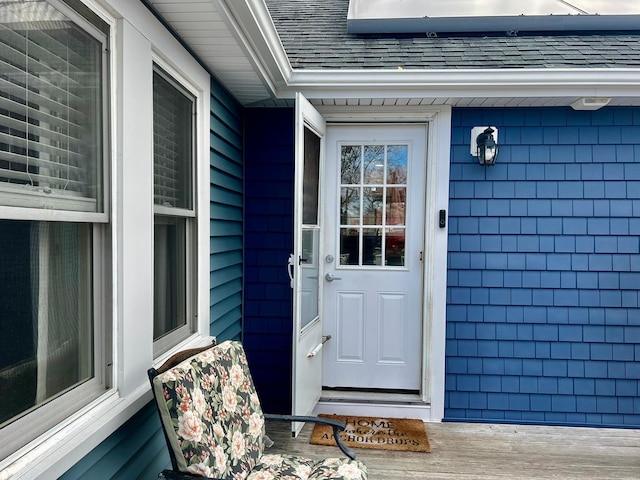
{"type": "Point", "coordinates": [484, 145]}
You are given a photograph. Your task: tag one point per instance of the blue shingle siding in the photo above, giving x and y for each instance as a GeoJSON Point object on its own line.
{"type": "Point", "coordinates": [544, 269]}
{"type": "Point", "coordinates": [269, 176]}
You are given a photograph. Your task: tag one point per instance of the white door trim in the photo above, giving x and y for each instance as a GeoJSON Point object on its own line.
{"type": "Point", "coordinates": [435, 271]}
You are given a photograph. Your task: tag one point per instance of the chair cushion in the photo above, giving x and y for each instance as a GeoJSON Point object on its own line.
{"type": "Point", "coordinates": [211, 412]}
{"type": "Point", "coordinates": [291, 467]}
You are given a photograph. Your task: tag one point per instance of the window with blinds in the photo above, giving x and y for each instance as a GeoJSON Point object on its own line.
{"type": "Point", "coordinates": [172, 144]}
{"type": "Point", "coordinates": [51, 108]}
{"type": "Point", "coordinates": [52, 167]}
{"type": "Point", "coordinates": [174, 219]}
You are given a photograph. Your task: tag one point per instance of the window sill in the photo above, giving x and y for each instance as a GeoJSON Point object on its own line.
{"type": "Point", "coordinates": [51, 455]}
{"type": "Point", "coordinates": [58, 450]}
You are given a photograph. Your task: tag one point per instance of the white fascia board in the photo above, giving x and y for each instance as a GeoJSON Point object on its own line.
{"type": "Point", "coordinates": [402, 83]}
{"type": "Point", "coordinates": [250, 22]}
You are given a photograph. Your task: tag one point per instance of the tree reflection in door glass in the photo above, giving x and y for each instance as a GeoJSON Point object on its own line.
{"type": "Point", "coordinates": [372, 205]}
{"type": "Point", "coordinates": [397, 158]}
{"type": "Point", "coordinates": [350, 161]}
{"type": "Point", "coordinates": [373, 164]}
{"type": "Point", "coordinates": [350, 206]}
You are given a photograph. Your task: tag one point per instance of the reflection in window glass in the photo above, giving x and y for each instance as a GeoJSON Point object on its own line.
{"type": "Point", "coordinates": [350, 206]}
{"type": "Point", "coordinates": [372, 246]}
{"type": "Point", "coordinates": [373, 164]}
{"type": "Point", "coordinates": [350, 162]}
{"type": "Point", "coordinates": [397, 158]}
{"type": "Point", "coordinates": [394, 246]}
{"type": "Point", "coordinates": [396, 205]}
{"type": "Point", "coordinates": [378, 199]}
{"type": "Point", "coordinates": [372, 205]}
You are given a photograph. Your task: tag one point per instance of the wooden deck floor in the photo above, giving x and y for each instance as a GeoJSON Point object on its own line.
{"type": "Point", "coordinates": [467, 451]}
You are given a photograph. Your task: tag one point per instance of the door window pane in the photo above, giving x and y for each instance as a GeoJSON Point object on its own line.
{"type": "Point", "coordinates": [350, 206]}
{"type": "Point", "coordinates": [394, 246]}
{"type": "Point", "coordinates": [373, 164]}
{"type": "Point", "coordinates": [349, 246]}
{"type": "Point", "coordinates": [311, 177]}
{"type": "Point", "coordinates": [397, 160]}
{"type": "Point", "coordinates": [46, 312]}
{"type": "Point", "coordinates": [396, 203]}
{"type": "Point", "coordinates": [372, 205]}
{"type": "Point", "coordinates": [350, 164]}
{"type": "Point", "coordinates": [309, 273]}
{"type": "Point", "coordinates": [372, 246]}
{"type": "Point", "coordinates": [378, 199]}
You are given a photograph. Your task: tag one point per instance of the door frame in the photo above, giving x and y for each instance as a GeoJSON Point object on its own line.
{"type": "Point", "coordinates": [436, 198]}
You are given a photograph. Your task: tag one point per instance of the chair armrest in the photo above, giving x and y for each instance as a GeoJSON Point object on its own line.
{"type": "Point", "coordinates": [337, 426]}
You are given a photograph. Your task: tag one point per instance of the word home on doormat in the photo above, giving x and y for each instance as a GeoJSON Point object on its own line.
{"type": "Point", "coordinates": [403, 434]}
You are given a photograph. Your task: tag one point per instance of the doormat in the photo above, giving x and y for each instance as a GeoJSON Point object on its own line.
{"type": "Point", "coordinates": [403, 434]}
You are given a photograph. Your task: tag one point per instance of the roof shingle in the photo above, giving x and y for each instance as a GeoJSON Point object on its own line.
{"type": "Point", "coordinates": [314, 35]}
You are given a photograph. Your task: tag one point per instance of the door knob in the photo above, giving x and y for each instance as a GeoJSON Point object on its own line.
{"type": "Point", "coordinates": [330, 277]}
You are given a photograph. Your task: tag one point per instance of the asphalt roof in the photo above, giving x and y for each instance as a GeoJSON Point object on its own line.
{"type": "Point", "coordinates": [314, 35]}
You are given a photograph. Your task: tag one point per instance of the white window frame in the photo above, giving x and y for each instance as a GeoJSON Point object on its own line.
{"type": "Point", "coordinates": [28, 426]}
{"type": "Point", "coordinates": [137, 40]}
{"type": "Point", "coordinates": [18, 212]}
{"type": "Point", "coordinates": [174, 337]}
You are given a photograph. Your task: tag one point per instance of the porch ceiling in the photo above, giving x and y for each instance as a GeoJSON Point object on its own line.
{"type": "Point", "coordinates": [241, 45]}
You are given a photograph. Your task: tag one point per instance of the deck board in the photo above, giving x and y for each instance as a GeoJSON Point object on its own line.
{"type": "Point", "coordinates": [473, 451]}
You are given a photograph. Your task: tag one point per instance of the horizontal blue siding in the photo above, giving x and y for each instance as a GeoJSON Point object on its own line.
{"type": "Point", "coordinates": [226, 213]}
{"type": "Point", "coordinates": [137, 450]}
{"type": "Point", "coordinates": [544, 269]}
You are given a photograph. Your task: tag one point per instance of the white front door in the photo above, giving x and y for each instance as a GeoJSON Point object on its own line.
{"type": "Point", "coordinates": [304, 262]}
{"type": "Point", "coordinates": [374, 214]}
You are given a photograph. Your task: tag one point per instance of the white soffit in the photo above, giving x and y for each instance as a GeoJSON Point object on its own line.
{"type": "Point", "coordinates": [412, 16]}
{"type": "Point", "coordinates": [205, 27]}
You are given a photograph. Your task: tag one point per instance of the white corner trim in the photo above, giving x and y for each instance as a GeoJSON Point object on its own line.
{"type": "Point", "coordinates": [435, 303]}
{"type": "Point", "coordinates": [251, 23]}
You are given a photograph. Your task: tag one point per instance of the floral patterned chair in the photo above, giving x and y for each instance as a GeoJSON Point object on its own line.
{"type": "Point", "coordinates": [215, 428]}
